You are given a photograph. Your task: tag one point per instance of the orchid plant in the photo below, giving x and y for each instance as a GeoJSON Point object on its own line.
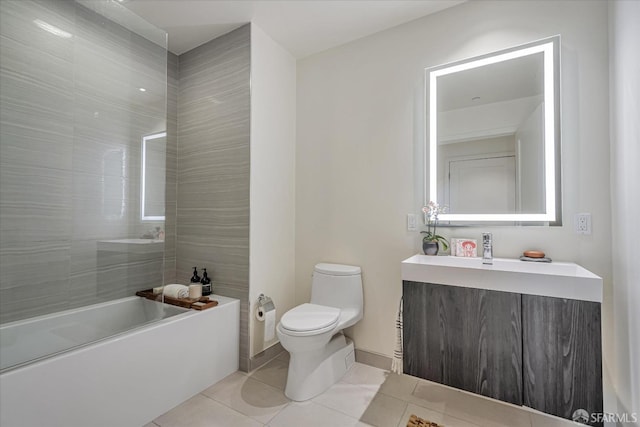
{"type": "Point", "coordinates": [431, 212]}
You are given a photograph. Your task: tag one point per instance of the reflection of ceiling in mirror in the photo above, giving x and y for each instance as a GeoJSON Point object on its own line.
{"type": "Point", "coordinates": [502, 81]}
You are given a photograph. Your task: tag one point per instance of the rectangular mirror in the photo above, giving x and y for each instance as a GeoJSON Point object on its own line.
{"type": "Point", "coordinates": [154, 149]}
{"type": "Point", "coordinates": [494, 136]}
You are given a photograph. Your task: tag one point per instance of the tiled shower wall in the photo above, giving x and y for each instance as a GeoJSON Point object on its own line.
{"type": "Point", "coordinates": [213, 168]}
{"type": "Point", "coordinates": [71, 123]}
{"type": "Point", "coordinates": [68, 104]}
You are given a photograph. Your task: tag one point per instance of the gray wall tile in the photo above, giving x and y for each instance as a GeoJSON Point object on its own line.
{"type": "Point", "coordinates": [67, 104]}
{"type": "Point", "coordinates": [68, 108]}
{"type": "Point", "coordinates": [213, 168]}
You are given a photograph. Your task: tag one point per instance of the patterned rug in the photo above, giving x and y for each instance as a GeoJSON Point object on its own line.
{"type": "Point", "coordinates": [415, 421]}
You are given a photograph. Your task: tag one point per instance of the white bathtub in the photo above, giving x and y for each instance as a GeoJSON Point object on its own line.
{"type": "Point", "coordinates": [120, 363]}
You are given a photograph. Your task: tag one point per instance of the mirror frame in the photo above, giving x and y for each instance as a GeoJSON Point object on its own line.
{"type": "Point", "coordinates": [550, 47]}
{"type": "Point", "coordinates": [143, 175]}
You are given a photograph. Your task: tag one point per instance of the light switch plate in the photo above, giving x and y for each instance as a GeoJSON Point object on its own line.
{"type": "Point", "coordinates": [411, 222]}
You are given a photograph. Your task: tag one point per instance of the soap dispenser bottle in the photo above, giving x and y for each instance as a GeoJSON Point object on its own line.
{"type": "Point", "coordinates": [195, 278]}
{"type": "Point", "coordinates": [206, 283]}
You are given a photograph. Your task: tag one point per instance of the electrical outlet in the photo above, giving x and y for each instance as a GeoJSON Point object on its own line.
{"type": "Point", "coordinates": [411, 222]}
{"type": "Point", "coordinates": [583, 223]}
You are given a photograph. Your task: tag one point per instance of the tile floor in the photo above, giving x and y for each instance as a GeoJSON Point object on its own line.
{"type": "Point", "coordinates": [366, 396]}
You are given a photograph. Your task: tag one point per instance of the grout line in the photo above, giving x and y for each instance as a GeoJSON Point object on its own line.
{"type": "Point", "coordinates": [404, 411]}
{"type": "Point", "coordinates": [363, 387]}
{"type": "Point", "coordinates": [229, 407]}
{"type": "Point", "coordinates": [251, 375]}
{"type": "Point", "coordinates": [335, 410]}
{"type": "Point", "coordinates": [278, 413]}
{"type": "Point", "coordinates": [443, 413]}
{"type": "Point", "coordinates": [472, 423]}
{"type": "Point", "coordinates": [211, 398]}
{"type": "Point", "coordinates": [270, 385]}
{"type": "Point", "coordinates": [415, 387]}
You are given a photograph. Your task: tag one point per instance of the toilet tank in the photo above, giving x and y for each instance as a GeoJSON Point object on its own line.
{"type": "Point", "coordinates": [337, 285]}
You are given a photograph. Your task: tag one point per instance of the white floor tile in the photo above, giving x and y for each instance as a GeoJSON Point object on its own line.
{"type": "Point", "coordinates": [248, 396]}
{"type": "Point", "coordinates": [366, 396]}
{"type": "Point", "coordinates": [229, 381]}
{"type": "Point", "coordinates": [433, 416]}
{"type": "Point", "coordinates": [311, 414]}
{"type": "Point", "coordinates": [283, 356]}
{"type": "Point", "coordinates": [363, 402]}
{"type": "Point", "coordinates": [350, 399]}
{"type": "Point", "coordinates": [544, 420]}
{"type": "Point", "coordinates": [399, 386]}
{"type": "Point", "coordinates": [469, 407]}
{"type": "Point", "coordinates": [201, 411]}
{"type": "Point", "coordinates": [365, 375]}
{"type": "Point", "coordinates": [273, 373]}
{"type": "Point", "coordinates": [384, 411]}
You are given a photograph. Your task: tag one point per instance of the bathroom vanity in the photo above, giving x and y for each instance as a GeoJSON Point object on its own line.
{"type": "Point", "coordinates": [524, 333]}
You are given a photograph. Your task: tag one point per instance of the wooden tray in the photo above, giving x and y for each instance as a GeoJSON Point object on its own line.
{"type": "Point", "coordinates": [202, 303]}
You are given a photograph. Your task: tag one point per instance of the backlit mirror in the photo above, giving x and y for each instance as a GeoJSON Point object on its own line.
{"type": "Point", "coordinates": [494, 136]}
{"type": "Point", "coordinates": [154, 149]}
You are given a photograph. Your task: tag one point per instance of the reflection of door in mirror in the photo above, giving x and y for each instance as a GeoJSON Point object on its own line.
{"type": "Point", "coordinates": [470, 178]}
{"type": "Point", "coordinates": [478, 176]}
{"type": "Point", "coordinates": [154, 148]}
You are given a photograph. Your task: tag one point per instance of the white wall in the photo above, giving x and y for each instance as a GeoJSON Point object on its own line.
{"type": "Point", "coordinates": [359, 133]}
{"type": "Point", "coordinates": [625, 197]}
{"type": "Point", "coordinates": [272, 217]}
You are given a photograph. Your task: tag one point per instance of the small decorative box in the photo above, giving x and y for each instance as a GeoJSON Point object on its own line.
{"type": "Point", "coordinates": [466, 248]}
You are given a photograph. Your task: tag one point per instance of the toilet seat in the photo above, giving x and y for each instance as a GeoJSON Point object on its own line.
{"type": "Point", "coordinates": [309, 319]}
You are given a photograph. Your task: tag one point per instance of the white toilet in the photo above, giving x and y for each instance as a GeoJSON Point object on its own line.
{"type": "Point", "coordinates": [312, 333]}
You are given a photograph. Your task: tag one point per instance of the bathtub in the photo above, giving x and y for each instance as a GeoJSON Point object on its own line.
{"type": "Point", "coordinates": [120, 363]}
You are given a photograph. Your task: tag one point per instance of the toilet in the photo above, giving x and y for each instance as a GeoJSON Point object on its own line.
{"type": "Point", "coordinates": [312, 332]}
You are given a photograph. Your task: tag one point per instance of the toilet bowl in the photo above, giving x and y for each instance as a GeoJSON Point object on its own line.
{"type": "Point", "coordinates": [312, 332]}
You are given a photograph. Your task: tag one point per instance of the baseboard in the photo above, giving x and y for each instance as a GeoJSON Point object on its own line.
{"type": "Point", "coordinates": [362, 356]}
{"type": "Point", "coordinates": [373, 359]}
{"type": "Point", "coordinates": [265, 356]}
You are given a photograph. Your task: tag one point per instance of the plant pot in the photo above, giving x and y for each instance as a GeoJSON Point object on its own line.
{"type": "Point", "coordinates": [430, 248]}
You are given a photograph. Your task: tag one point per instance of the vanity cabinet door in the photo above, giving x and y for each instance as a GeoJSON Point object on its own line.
{"type": "Point", "coordinates": [562, 355]}
{"type": "Point", "coordinates": [465, 338]}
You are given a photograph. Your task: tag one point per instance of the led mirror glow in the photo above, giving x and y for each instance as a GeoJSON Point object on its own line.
{"type": "Point", "coordinates": [549, 194]}
{"type": "Point", "coordinates": [152, 186]}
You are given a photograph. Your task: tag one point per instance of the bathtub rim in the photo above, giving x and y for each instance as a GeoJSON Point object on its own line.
{"type": "Point", "coordinates": [99, 341]}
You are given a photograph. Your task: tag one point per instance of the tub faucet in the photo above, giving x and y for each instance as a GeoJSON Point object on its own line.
{"type": "Point", "coordinates": [487, 246]}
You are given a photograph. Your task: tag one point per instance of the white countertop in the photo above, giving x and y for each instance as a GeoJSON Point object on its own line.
{"type": "Point", "coordinates": [140, 246]}
{"type": "Point", "coordinates": [556, 279]}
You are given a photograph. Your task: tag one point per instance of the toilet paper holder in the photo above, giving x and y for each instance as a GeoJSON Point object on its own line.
{"type": "Point", "coordinates": [265, 304]}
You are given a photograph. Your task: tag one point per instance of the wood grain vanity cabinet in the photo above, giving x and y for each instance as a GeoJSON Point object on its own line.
{"type": "Point", "coordinates": [465, 338]}
{"type": "Point", "coordinates": [538, 351]}
{"type": "Point", "coordinates": [562, 362]}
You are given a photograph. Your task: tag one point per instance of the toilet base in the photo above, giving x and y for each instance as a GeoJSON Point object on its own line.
{"type": "Point", "coordinates": [312, 372]}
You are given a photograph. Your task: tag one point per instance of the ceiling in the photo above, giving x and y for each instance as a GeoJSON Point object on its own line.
{"type": "Point", "coordinates": [517, 78]}
{"type": "Point", "coordinates": [303, 27]}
